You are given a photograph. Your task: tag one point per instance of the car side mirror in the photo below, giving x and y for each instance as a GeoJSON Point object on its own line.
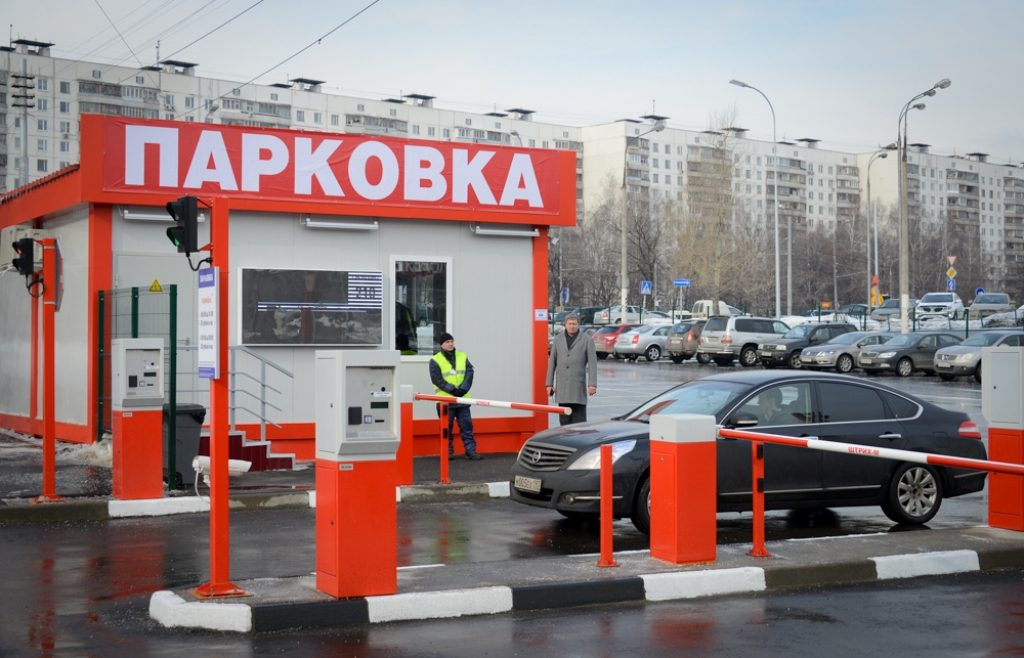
{"type": "Point", "coordinates": [742, 419]}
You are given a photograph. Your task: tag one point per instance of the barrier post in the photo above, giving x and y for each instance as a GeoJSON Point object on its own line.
{"type": "Point", "coordinates": [1002, 393]}
{"type": "Point", "coordinates": [404, 457]}
{"type": "Point", "coordinates": [683, 488]}
{"type": "Point", "coordinates": [757, 492]}
{"type": "Point", "coordinates": [442, 450]}
{"type": "Point", "coordinates": [49, 247]}
{"type": "Point", "coordinates": [607, 491]}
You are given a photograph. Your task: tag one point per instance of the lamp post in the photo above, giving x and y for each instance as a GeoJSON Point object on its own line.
{"type": "Point", "coordinates": [901, 141]}
{"type": "Point", "coordinates": [658, 127]}
{"type": "Point", "coordinates": [775, 204]}
{"type": "Point", "coordinates": [871, 220]}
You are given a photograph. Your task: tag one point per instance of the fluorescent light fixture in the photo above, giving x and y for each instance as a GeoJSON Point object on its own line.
{"type": "Point", "coordinates": [524, 232]}
{"type": "Point", "coordinates": [151, 215]}
{"type": "Point", "coordinates": [341, 225]}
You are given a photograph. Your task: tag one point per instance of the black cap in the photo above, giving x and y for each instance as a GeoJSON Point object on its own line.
{"type": "Point", "coordinates": [445, 337]}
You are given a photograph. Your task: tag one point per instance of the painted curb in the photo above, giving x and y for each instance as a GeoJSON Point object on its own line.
{"type": "Point", "coordinates": [172, 611]}
{"type": "Point", "coordinates": [439, 605]}
{"type": "Point", "coordinates": [117, 509]}
{"type": "Point", "coordinates": [696, 584]}
{"type": "Point", "coordinates": [926, 564]}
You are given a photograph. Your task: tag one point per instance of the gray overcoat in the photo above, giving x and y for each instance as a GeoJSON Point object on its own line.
{"type": "Point", "coordinates": [570, 371]}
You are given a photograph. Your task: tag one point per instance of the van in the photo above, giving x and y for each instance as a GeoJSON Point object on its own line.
{"type": "Point", "coordinates": [704, 308]}
{"type": "Point", "coordinates": [725, 339]}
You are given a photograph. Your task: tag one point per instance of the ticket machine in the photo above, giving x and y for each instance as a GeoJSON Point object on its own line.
{"type": "Point", "coordinates": [357, 435]}
{"type": "Point", "coordinates": [137, 397]}
{"type": "Point", "coordinates": [1002, 403]}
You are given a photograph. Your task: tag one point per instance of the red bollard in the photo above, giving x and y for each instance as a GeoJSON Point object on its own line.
{"type": "Point", "coordinates": [404, 457]}
{"type": "Point", "coordinates": [442, 450]}
{"type": "Point", "coordinates": [757, 491]}
{"type": "Point", "coordinates": [607, 559]}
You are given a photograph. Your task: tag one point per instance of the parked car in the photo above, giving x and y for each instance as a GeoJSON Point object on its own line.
{"type": "Point", "coordinates": [890, 308]}
{"type": "Point", "coordinates": [842, 351]}
{"type": "Point", "coordinates": [988, 303]}
{"type": "Point", "coordinates": [647, 340]}
{"type": "Point", "coordinates": [940, 304]}
{"type": "Point", "coordinates": [705, 307]}
{"type": "Point", "coordinates": [683, 340]}
{"type": "Point", "coordinates": [656, 317]}
{"type": "Point", "coordinates": [725, 339]}
{"type": "Point", "coordinates": [604, 338]}
{"type": "Point", "coordinates": [614, 315]}
{"type": "Point", "coordinates": [559, 468]}
{"type": "Point", "coordinates": [859, 310]}
{"type": "Point", "coordinates": [906, 353]}
{"type": "Point", "coordinates": [586, 314]}
{"type": "Point", "coordinates": [965, 358]}
{"type": "Point", "coordinates": [785, 350]}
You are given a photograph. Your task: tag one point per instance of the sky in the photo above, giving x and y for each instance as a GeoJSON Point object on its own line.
{"type": "Point", "coordinates": [837, 71]}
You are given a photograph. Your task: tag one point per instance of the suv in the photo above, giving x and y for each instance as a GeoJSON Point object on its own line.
{"type": "Point", "coordinates": [786, 350]}
{"type": "Point", "coordinates": [988, 303]}
{"type": "Point", "coordinates": [727, 338]}
{"type": "Point", "coordinates": [604, 338]}
{"type": "Point", "coordinates": [683, 340]}
{"type": "Point", "coordinates": [614, 315]}
{"type": "Point", "coordinates": [940, 304]}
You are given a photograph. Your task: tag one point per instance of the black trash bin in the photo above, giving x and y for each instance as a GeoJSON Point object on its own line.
{"type": "Point", "coordinates": [188, 425]}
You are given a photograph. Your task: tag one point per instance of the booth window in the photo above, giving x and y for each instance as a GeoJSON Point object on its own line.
{"type": "Point", "coordinates": [421, 305]}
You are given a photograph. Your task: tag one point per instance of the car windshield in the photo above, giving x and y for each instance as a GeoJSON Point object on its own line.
{"type": "Point", "coordinates": [890, 303]}
{"type": "Point", "coordinates": [697, 397]}
{"type": "Point", "coordinates": [992, 298]}
{"type": "Point", "coordinates": [903, 340]}
{"type": "Point", "coordinates": [846, 339]}
{"type": "Point", "coordinates": [982, 340]}
{"type": "Point", "coordinates": [801, 331]}
{"type": "Point", "coordinates": [937, 298]}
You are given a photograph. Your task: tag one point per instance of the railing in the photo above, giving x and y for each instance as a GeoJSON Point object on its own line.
{"type": "Point", "coordinates": [235, 372]}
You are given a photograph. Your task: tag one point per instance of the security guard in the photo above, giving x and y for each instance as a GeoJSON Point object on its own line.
{"type": "Point", "coordinates": [452, 374]}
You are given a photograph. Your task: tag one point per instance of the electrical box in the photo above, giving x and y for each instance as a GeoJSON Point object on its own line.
{"type": "Point", "coordinates": [1002, 386]}
{"type": "Point", "coordinates": [137, 373]}
{"type": "Point", "coordinates": [357, 405]}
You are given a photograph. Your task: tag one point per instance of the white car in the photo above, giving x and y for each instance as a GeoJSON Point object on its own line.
{"type": "Point", "coordinates": [940, 304]}
{"type": "Point", "coordinates": [614, 315]}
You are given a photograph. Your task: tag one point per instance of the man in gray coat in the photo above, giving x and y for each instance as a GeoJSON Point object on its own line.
{"type": "Point", "coordinates": [573, 363]}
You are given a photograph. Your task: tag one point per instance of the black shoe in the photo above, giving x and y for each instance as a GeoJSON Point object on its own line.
{"type": "Point", "coordinates": [473, 456]}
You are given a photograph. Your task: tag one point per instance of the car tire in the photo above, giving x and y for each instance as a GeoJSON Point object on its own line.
{"type": "Point", "coordinates": [913, 495]}
{"type": "Point", "coordinates": [905, 367]}
{"type": "Point", "coordinates": [677, 358]}
{"type": "Point", "coordinates": [652, 353]}
{"type": "Point", "coordinates": [748, 357]}
{"type": "Point", "coordinates": [641, 516]}
{"type": "Point", "coordinates": [945, 376]}
{"type": "Point", "coordinates": [601, 356]}
{"type": "Point", "coordinates": [844, 363]}
{"type": "Point", "coordinates": [703, 358]}
{"type": "Point", "coordinates": [977, 373]}
{"type": "Point", "coordinates": [794, 360]}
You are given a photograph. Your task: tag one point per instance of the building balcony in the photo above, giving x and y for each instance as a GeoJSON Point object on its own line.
{"type": "Point", "coordinates": [1013, 184]}
{"type": "Point", "coordinates": [966, 176]}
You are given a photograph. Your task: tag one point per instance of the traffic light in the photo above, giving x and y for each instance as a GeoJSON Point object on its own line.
{"type": "Point", "coordinates": [24, 262]}
{"type": "Point", "coordinates": [185, 234]}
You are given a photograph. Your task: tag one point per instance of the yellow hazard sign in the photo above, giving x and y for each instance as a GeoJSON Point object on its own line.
{"type": "Point", "coordinates": [951, 273]}
{"type": "Point", "coordinates": [156, 287]}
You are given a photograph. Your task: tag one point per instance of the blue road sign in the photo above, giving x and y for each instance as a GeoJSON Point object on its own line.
{"type": "Point", "coordinates": [979, 291]}
{"type": "Point", "coordinates": [951, 285]}
{"type": "Point", "coordinates": [565, 295]}
{"type": "Point", "coordinates": [681, 283]}
{"type": "Point", "coordinates": [646, 287]}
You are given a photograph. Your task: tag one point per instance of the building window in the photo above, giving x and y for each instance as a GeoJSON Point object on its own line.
{"type": "Point", "coordinates": [42, 125]}
{"type": "Point", "coordinates": [42, 166]}
{"type": "Point", "coordinates": [236, 92]}
{"type": "Point", "coordinates": [447, 133]}
{"type": "Point", "coordinates": [42, 145]}
{"type": "Point", "coordinates": [300, 115]}
{"type": "Point", "coordinates": [65, 127]}
{"type": "Point", "coordinates": [42, 84]}
{"type": "Point", "coordinates": [415, 129]}
{"type": "Point", "coordinates": [469, 122]}
{"type": "Point", "coordinates": [65, 87]}
{"type": "Point", "coordinates": [273, 97]}
{"type": "Point", "coordinates": [334, 119]}
{"type": "Point", "coordinates": [431, 131]}
{"type": "Point", "coordinates": [43, 104]}
{"type": "Point", "coordinates": [497, 124]}
{"type": "Point", "coordinates": [533, 142]}
{"type": "Point", "coordinates": [97, 74]}
{"type": "Point", "coordinates": [654, 178]}
{"type": "Point", "coordinates": [360, 107]}
{"type": "Point", "coordinates": [190, 101]}
{"type": "Point", "coordinates": [139, 80]}
{"type": "Point", "coordinates": [318, 118]}
{"type": "Point", "coordinates": [65, 107]}
{"type": "Point", "coordinates": [421, 304]}
{"type": "Point", "coordinates": [65, 147]}
{"type": "Point", "coordinates": [393, 112]}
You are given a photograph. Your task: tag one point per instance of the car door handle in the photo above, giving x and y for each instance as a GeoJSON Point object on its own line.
{"type": "Point", "coordinates": [891, 435]}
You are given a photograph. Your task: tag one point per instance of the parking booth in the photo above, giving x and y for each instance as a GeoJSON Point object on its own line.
{"type": "Point", "coordinates": [1002, 403]}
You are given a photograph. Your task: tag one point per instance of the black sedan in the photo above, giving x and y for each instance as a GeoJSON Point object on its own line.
{"type": "Point", "coordinates": [558, 468]}
{"type": "Point", "coordinates": [906, 353]}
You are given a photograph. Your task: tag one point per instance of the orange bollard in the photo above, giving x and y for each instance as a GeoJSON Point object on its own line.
{"type": "Point", "coordinates": [683, 501]}
{"type": "Point", "coordinates": [607, 559]}
{"type": "Point", "coordinates": [404, 456]}
{"type": "Point", "coordinates": [757, 491]}
{"type": "Point", "coordinates": [442, 450]}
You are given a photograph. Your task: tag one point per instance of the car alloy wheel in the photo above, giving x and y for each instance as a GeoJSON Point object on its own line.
{"type": "Point", "coordinates": [844, 363]}
{"type": "Point", "coordinates": [914, 494]}
{"type": "Point", "coordinates": [794, 360]}
{"type": "Point", "coordinates": [748, 357]}
{"type": "Point", "coordinates": [703, 358]}
{"type": "Point", "coordinates": [905, 367]}
{"type": "Point", "coordinates": [641, 516]}
{"type": "Point", "coordinates": [653, 353]}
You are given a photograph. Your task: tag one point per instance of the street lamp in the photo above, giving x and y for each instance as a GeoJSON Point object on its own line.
{"type": "Point", "coordinates": [775, 203]}
{"type": "Point", "coordinates": [872, 220]}
{"type": "Point", "coordinates": [901, 141]}
{"type": "Point", "coordinates": [657, 127]}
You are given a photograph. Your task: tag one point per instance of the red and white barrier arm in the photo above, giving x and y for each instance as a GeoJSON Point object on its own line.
{"type": "Point", "coordinates": [525, 406]}
{"type": "Point", "coordinates": [871, 451]}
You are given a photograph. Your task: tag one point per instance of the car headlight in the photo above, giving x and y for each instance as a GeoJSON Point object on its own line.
{"type": "Point", "coordinates": [964, 358]}
{"type": "Point", "coordinates": [826, 352]}
{"type": "Point", "coordinates": [591, 460]}
{"type": "Point", "coordinates": [780, 348]}
{"type": "Point", "coordinates": [886, 355]}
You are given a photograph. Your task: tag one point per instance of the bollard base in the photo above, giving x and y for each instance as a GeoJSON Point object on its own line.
{"type": "Point", "coordinates": [47, 499]}
{"type": "Point", "coordinates": [219, 591]}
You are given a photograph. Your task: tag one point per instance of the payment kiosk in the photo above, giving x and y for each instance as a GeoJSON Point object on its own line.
{"type": "Point", "coordinates": [357, 436]}
{"type": "Point", "coordinates": [137, 396]}
{"type": "Point", "coordinates": [1002, 403]}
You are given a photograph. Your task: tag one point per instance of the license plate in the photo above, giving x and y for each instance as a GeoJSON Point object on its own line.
{"type": "Point", "coordinates": [940, 364]}
{"type": "Point", "coordinates": [524, 483]}
{"type": "Point", "coordinates": [863, 360]}
{"type": "Point", "coordinates": [764, 353]}
{"type": "Point", "coordinates": [806, 359]}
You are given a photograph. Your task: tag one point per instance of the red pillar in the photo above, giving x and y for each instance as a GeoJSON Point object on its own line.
{"type": "Point", "coordinates": [49, 246]}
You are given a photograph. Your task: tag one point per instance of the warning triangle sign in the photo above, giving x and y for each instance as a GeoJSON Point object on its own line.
{"type": "Point", "coordinates": [155, 287]}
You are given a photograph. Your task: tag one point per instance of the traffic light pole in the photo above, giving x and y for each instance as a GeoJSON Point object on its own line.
{"type": "Point", "coordinates": [220, 584]}
{"type": "Point", "coordinates": [49, 494]}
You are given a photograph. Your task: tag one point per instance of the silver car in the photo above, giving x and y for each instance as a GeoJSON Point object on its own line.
{"type": "Point", "coordinates": [988, 303]}
{"type": "Point", "coordinates": [965, 358]}
{"type": "Point", "coordinates": [648, 340]}
{"type": "Point", "coordinates": [890, 309]}
{"type": "Point", "coordinates": [841, 352]}
{"type": "Point", "coordinates": [725, 339]}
